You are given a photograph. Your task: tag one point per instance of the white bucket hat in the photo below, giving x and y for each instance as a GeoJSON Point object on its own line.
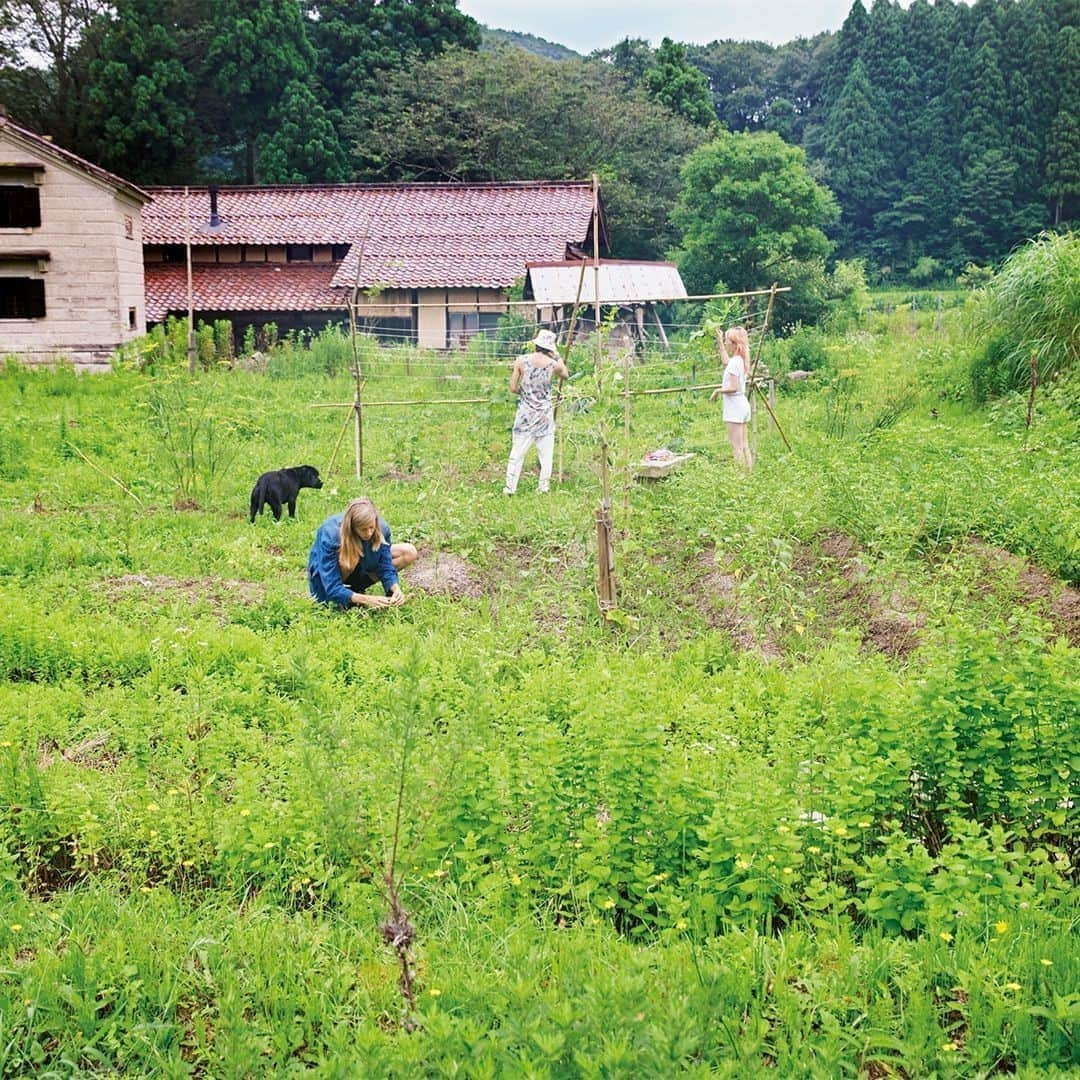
{"type": "Point", "coordinates": [545, 339]}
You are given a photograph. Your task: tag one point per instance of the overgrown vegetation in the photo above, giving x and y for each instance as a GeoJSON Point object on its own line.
{"type": "Point", "coordinates": [817, 784]}
{"type": "Point", "coordinates": [1030, 317]}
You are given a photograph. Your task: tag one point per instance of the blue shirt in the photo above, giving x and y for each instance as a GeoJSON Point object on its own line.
{"type": "Point", "coordinates": [324, 574]}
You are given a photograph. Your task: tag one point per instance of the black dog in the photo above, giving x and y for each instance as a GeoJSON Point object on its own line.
{"type": "Point", "coordinates": [278, 488]}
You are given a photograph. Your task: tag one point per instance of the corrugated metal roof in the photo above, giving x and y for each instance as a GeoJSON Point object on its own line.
{"type": "Point", "coordinates": [621, 282]}
{"type": "Point", "coordinates": [413, 235]}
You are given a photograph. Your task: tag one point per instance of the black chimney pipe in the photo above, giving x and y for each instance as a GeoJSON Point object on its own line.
{"type": "Point", "coordinates": [215, 221]}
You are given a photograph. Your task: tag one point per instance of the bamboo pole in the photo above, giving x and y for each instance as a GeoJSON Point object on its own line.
{"type": "Point", "coordinates": [605, 555]}
{"type": "Point", "coordinates": [676, 389]}
{"type": "Point", "coordinates": [123, 487]}
{"type": "Point", "coordinates": [500, 304]}
{"type": "Point", "coordinates": [337, 445]}
{"type": "Point", "coordinates": [190, 287]}
{"type": "Point", "coordinates": [596, 264]}
{"type": "Point", "coordinates": [569, 342]}
{"type": "Point", "coordinates": [375, 404]}
{"type": "Point", "coordinates": [358, 396]}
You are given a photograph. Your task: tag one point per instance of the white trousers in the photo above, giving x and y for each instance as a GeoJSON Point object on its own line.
{"type": "Point", "coordinates": [545, 449]}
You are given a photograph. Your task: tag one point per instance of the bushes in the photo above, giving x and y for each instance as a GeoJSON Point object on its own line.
{"type": "Point", "coordinates": [1030, 314]}
{"type": "Point", "coordinates": [806, 349]}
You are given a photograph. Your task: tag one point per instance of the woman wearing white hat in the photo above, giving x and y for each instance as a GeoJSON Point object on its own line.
{"type": "Point", "coordinates": [535, 419]}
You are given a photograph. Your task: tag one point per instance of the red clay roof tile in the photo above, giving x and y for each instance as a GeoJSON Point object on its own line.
{"type": "Point", "coordinates": [256, 287]}
{"type": "Point", "coordinates": [412, 235]}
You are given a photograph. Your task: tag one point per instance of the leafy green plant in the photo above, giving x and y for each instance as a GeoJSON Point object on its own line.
{"type": "Point", "coordinates": [197, 434]}
{"type": "Point", "coordinates": [1031, 311]}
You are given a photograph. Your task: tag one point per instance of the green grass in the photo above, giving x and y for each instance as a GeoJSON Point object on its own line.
{"type": "Point", "coordinates": [805, 807]}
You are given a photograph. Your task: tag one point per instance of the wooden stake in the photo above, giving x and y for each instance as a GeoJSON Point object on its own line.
{"type": "Point", "coordinates": [606, 562]}
{"type": "Point", "coordinates": [1034, 376]}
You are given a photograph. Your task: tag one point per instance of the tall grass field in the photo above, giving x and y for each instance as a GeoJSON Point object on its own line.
{"type": "Point", "coordinates": [803, 804]}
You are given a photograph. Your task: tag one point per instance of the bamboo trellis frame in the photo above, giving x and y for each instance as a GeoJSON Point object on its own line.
{"type": "Point", "coordinates": [606, 581]}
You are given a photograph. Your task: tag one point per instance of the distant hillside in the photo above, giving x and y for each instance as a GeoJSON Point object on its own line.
{"type": "Point", "coordinates": [529, 42]}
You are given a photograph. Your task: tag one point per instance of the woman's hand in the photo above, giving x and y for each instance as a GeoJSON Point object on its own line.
{"type": "Point", "coordinates": [396, 597]}
{"type": "Point", "coordinates": [365, 600]}
{"type": "Point", "coordinates": [716, 393]}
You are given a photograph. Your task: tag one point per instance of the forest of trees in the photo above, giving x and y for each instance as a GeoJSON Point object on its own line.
{"type": "Point", "coordinates": [946, 133]}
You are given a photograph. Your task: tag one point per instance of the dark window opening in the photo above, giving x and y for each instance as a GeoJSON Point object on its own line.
{"type": "Point", "coordinates": [131, 318]}
{"type": "Point", "coordinates": [299, 252]}
{"type": "Point", "coordinates": [173, 253]}
{"type": "Point", "coordinates": [339, 251]}
{"type": "Point", "coordinates": [22, 298]}
{"type": "Point", "coordinates": [20, 207]}
{"type": "Point", "coordinates": [463, 326]}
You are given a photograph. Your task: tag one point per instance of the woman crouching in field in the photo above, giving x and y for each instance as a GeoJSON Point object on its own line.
{"type": "Point", "coordinates": [352, 551]}
{"type": "Point", "coordinates": [733, 390]}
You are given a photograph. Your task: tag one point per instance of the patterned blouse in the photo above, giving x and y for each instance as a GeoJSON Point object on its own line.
{"type": "Point", "coordinates": [535, 411]}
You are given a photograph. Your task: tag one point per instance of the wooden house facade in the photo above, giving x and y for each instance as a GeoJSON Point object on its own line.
{"type": "Point", "coordinates": [71, 266]}
{"type": "Point", "coordinates": [429, 264]}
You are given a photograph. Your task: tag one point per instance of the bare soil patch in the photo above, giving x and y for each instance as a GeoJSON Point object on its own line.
{"type": "Point", "coordinates": [836, 568]}
{"type": "Point", "coordinates": [91, 753]}
{"type": "Point", "coordinates": [1034, 587]}
{"type": "Point", "coordinates": [444, 574]}
{"type": "Point", "coordinates": [219, 592]}
{"type": "Point", "coordinates": [718, 601]}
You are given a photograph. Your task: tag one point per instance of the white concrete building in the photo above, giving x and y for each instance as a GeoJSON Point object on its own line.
{"type": "Point", "coordinates": [71, 263]}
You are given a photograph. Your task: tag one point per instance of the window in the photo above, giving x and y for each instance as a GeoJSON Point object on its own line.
{"type": "Point", "coordinates": [173, 253]}
{"type": "Point", "coordinates": [339, 251]}
{"type": "Point", "coordinates": [131, 318]}
{"type": "Point", "coordinates": [299, 252]}
{"type": "Point", "coordinates": [20, 207]}
{"type": "Point", "coordinates": [22, 298]}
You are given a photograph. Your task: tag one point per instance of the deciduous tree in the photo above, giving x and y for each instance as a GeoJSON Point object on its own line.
{"type": "Point", "coordinates": [679, 86]}
{"type": "Point", "coordinates": [749, 214]}
{"type": "Point", "coordinates": [509, 115]}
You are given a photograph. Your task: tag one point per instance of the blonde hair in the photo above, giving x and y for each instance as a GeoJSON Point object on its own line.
{"type": "Point", "coordinates": [738, 341]}
{"type": "Point", "coordinates": [358, 514]}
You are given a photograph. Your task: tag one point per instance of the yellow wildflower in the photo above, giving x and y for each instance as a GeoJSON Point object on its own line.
{"type": "Point", "coordinates": [608, 904]}
{"type": "Point", "coordinates": [945, 936]}
{"type": "Point", "coordinates": [1001, 927]}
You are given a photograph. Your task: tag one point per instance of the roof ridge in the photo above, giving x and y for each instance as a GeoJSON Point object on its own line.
{"type": "Point", "coordinates": [46, 144]}
{"type": "Point", "coordinates": [382, 185]}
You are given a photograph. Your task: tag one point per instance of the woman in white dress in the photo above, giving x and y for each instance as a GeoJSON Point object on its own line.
{"type": "Point", "coordinates": [735, 352]}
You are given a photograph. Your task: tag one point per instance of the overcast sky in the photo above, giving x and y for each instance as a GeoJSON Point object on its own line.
{"type": "Point", "coordinates": [585, 25]}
